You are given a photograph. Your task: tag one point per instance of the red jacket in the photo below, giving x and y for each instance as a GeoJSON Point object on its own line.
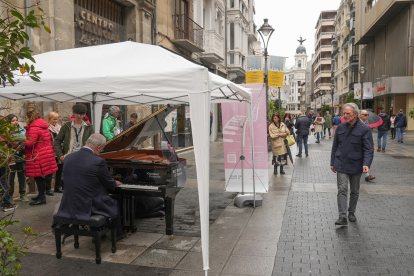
{"type": "Point", "coordinates": [40, 148]}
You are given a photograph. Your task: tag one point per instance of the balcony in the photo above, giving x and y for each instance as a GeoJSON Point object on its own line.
{"type": "Point", "coordinates": [213, 46]}
{"type": "Point", "coordinates": [188, 34]}
{"type": "Point", "coordinates": [252, 32]}
{"type": "Point", "coordinates": [345, 43]}
{"type": "Point", "coordinates": [354, 59]}
{"type": "Point", "coordinates": [334, 53]}
{"type": "Point", "coordinates": [352, 32]}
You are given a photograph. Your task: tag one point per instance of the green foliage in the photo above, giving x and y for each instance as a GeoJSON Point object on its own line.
{"type": "Point", "coordinates": [325, 108]}
{"type": "Point", "coordinates": [13, 37]}
{"type": "Point", "coordinates": [350, 99]}
{"type": "Point", "coordinates": [273, 108]}
{"type": "Point", "coordinates": [411, 113]}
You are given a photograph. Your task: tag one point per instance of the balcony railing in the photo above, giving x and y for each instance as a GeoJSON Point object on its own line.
{"type": "Point", "coordinates": [186, 28]}
{"type": "Point", "coordinates": [334, 53]}
{"type": "Point", "coordinates": [352, 32]}
{"type": "Point", "coordinates": [354, 59]}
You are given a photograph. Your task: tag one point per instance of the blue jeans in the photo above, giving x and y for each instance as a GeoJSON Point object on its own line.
{"type": "Point", "coordinates": [400, 133]}
{"type": "Point", "coordinates": [317, 136]}
{"type": "Point", "coordinates": [6, 200]}
{"type": "Point", "coordinates": [303, 138]}
{"type": "Point", "coordinates": [382, 134]}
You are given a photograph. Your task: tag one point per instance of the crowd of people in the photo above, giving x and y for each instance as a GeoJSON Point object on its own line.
{"type": "Point", "coordinates": [45, 146]}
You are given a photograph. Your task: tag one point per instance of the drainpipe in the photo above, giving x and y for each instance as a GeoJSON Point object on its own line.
{"type": "Point", "coordinates": [156, 21]}
{"type": "Point", "coordinates": [28, 30]}
{"type": "Point", "coordinates": [225, 38]}
{"type": "Point", "coordinates": [52, 25]}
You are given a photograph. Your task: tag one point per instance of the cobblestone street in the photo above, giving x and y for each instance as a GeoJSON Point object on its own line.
{"type": "Point", "coordinates": [293, 233]}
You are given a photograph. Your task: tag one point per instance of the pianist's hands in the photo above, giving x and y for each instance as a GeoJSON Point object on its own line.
{"type": "Point", "coordinates": [118, 183]}
{"type": "Point", "coordinates": [129, 178]}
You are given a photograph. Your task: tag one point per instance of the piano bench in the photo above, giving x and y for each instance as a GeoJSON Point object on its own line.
{"type": "Point", "coordinates": [97, 226]}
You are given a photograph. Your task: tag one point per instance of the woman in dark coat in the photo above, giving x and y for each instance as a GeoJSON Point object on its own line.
{"type": "Point", "coordinates": [40, 156]}
{"type": "Point", "coordinates": [287, 119]}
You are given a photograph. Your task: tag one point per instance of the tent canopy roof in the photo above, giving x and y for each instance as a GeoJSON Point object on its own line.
{"type": "Point", "coordinates": [127, 73]}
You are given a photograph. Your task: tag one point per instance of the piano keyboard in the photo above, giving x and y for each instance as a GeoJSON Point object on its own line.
{"type": "Point", "coordinates": [141, 187]}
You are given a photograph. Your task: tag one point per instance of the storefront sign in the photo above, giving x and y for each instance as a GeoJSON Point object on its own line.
{"type": "Point", "coordinates": [92, 29]}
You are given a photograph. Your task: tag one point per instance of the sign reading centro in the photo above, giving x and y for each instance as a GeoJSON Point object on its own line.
{"type": "Point", "coordinates": [96, 25]}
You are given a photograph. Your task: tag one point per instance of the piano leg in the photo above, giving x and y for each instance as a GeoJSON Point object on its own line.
{"type": "Point", "coordinates": [133, 228]}
{"type": "Point", "coordinates": [169, 217]}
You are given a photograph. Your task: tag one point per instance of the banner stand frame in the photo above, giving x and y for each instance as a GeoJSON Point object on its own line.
{"type": "Point", "coordinates": [243, 199]}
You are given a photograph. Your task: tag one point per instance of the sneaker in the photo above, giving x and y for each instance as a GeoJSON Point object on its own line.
{"type": "Point", "coordinates": [369, 178]}
{"type": "Point", "coordinates": [298, 155]}
{"type": "Point", "coordinates": [342, 222]}
{"type": "Point", "coordinates": [11, 207]}
{"type": "Point", "coordinates": [24, 198]}
{"type": "Point", "coordinates": [352, 217]}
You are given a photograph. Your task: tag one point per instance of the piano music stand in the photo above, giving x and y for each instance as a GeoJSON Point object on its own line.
{"type": "Point", "coordinates": [243, 199]}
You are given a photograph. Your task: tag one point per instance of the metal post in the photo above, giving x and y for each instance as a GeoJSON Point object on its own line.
{"type": "Point", "coordinates": [265, 80]}
{"type": "Point", "coordinates": [362, 91]}
{"type": "Point", "coordinates": [242, 156]}
{"type": "Point", "coordinates": [332, 98]}
{"type": "Point", "coordinates": [279, 100]}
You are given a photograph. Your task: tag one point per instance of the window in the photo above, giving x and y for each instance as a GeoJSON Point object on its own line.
{"type": "Point", "coordinates": [204, 17]}
{"type": "Point", "coordinates": [231, 3]}
{"type": "Point", "coordinates": [298, 98]}
{"type": "Point", "coordinates": [231, 58]}
{"type": "Point", "coordinates": [298, 83]}
{"type": "Point", "coordinates": [299, 63]}
{"type": "Point", "coordinates": [231, 36]}
{"type": "Point", "coordinates": [181, 23]}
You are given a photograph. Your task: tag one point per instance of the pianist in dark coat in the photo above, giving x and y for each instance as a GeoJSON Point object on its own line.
{"type": "Point", "coordinates": [87, 181]}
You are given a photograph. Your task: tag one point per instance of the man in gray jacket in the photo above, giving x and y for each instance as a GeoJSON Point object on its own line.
{"type": "Point", "coordinates": [352, 154]}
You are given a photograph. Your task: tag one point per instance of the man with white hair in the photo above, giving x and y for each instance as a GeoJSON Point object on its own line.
{"type": "Point", "coordinates": [352, 154]}
{"type": "Point", "coordinates": [110, 124]}
{"type": "Point", "coordinates": [87, 182]}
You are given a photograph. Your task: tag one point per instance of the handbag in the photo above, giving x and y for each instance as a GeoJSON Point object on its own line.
{"type": "Point", "coordinates": [291, 140]}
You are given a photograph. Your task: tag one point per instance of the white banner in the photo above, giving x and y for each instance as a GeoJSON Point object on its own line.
{"type": "Point", "coordinates": [273, 93]}
{"type": "Point", "coordinates": [318, 102]}
{"type": "Point", "coordinates": [313, 104]}
{"type": "Point", "coordinates": [368, 90]}
{"type": "Point", "coordinates": [336, 100]}
{"type": "Point", "coordinates": [328, 99]}
{"type": "Point", "coordinates": [285, 92]}
{"type": "Point", "coordinates": [357, 91]}
{"type": "Point", "coordinates": [284, 104]}
{"type": "Point", "coordinates": [276, 63]}
{"type": "Point", "coordinates": [254, 63]}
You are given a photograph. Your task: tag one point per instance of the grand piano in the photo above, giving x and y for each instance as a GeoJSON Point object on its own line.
{"type": "Point", "coordinates": [156, 173]}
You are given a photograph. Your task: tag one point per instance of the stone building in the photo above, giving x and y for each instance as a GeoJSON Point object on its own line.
{"type": "Point", "coordinates": [384, 31]}
{"type": "Point", "coordinates": [325, 30]}
{"type": "Point", "coordinates": [294, 77]}
{"type": "Point", "coordinates": [193, 29]}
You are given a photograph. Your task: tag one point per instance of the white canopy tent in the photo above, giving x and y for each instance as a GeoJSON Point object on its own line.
{"type": "Point", "coordinates": [130, 73]}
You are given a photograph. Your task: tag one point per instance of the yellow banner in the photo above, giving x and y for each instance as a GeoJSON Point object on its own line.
{"type": "Point", "coordinates": [275, 78]}
{"type": "Point", "coordinates": [254, 77]}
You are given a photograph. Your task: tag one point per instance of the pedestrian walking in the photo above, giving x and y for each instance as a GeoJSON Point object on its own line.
{"type": "Point", "coordinates": [302, 125]}
{"type": "Point", "coordinates": [392, 121]}
{"type": "Point", "coordinates": [364, 118]}
{"type": "Point", "coordinates": [351, 155]}
{"type": "Point", "coordinates": [54, 128]}
{"type": "Point", "coordinates": [328, 124]}
{"type": "Point", "coordinates": [278, 132]}
{"type": "Point", "coordinates": [40, 156]}
{"type": "Point", "coordinates": [336, 121]}
{"type": "Point", "coordinates": [383, 131]}
{"type": "Point", "coordinates": [401, 124]}
{"type": "Point", "coordinates": [318, 122]}
{"type": "Point", "coordinates": [19, 165]}
{"type": "Point", "coordinates": [287, 120]}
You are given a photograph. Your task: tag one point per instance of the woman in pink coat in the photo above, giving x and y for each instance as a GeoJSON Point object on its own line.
{"type": "Point", "coordinates": [40, 156]}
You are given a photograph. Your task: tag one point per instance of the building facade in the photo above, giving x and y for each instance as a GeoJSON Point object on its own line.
{"type": "Point", "coordinates": [295, 77]}
{"type": "Point", "coordinates": [344, 52]}
{"type": "Point", "coordinates": [384, 31]}
{"type": "Point", "coordinates": [322, 61]}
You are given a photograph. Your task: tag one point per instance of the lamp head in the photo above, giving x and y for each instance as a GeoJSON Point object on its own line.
{"type": "Point", "coordinates": [362, 70]}
{"type": "Point", "coordinates": [266, 29]}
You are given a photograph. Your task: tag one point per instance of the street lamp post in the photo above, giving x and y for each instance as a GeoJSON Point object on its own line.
{"type": "Point", "coordinates": [266, 30]}
{"type": "Point", "coordinates": [332, 96]}
{"type": "Point", "coordinates": [362, 72]}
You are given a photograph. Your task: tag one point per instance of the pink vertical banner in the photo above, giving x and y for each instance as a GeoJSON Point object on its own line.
{"type": "Point", "coordinates": [236, 128]}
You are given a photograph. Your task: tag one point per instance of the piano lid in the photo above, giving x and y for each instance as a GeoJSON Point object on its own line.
{"type": "Point", "coordinates": [141, 131]}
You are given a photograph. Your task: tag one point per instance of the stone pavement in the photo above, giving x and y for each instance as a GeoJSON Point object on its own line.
{"type": "Point", "coordinates": [293, 233]}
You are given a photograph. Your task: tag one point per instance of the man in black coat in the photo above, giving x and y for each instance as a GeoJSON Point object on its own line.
{"type": "Point", "coordinates": [302, 125]}
{"type": "Point", "coordinates": [352, 154]}
{"type": "Point", "coordinates": [383, 130]}
{"type": "Point", "coordinates": [87, 181]}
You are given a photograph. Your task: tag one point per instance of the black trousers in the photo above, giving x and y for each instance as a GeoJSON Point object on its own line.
{"type": "Point", "coordinates": [43, 183]}
{"type": "Point", "coordinates": [58, 177]}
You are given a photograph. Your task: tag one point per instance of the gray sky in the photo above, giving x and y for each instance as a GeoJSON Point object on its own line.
{"type": "Point", "coordinates": [291, 19]}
